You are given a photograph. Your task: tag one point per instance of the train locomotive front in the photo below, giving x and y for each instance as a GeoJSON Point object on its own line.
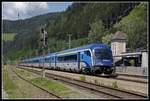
{"type": "Point", "coordinates": [102, 60]}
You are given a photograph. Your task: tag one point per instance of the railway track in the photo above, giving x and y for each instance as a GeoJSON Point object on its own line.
{"type": "Point", "coordinates": [136, 76]}
{"type": "Point", "coordinates": [128, 77]}
{"type": "Point", "coordinates": [113, 93]}
{"type": "Point", "coordinates": [119, 77]}
{"type": "Point", "coordinates": [132, 78]}
{"type": "Point", "coordinates": [137, 79]}
{"type": "Point", "coordinates": [50, 93]}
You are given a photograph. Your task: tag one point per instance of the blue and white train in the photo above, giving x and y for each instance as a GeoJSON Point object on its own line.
{"type": "Point", "coordinates": [92, 58]}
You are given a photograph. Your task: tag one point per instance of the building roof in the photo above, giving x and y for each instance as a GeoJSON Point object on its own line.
{"type": "Point", "coordinates": [119, 36]}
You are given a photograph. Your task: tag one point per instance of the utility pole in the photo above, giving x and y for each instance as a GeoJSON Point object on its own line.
{"type": "Point", "coordinates": [44, 40]}
{"type": "Point", "coordinates": [18, 32]}
{"type": "Point", "coordinates": [69, 40]}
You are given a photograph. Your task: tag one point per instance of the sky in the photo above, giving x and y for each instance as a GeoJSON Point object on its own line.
{"type": "Point", "coordinates": [24, 10]}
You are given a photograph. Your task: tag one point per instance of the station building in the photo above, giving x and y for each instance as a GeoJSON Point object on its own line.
{"type": "Point", "coordinates": [123, 58]}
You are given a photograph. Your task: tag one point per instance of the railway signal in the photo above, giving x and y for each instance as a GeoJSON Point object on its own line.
{"type": "Point", "coordinates": [44, 41]}
{"type": "Point", "coordinates": [44, 37]}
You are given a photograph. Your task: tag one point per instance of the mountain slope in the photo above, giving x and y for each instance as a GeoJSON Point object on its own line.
{"type": "Point", "coordinates": [77, 20]}
{"type": "Point", "coordinates": [135, 25]}
{"type": "Point", "coordinates": [27, 24]}
{"type": "Point", "coordinates": [27, 31]}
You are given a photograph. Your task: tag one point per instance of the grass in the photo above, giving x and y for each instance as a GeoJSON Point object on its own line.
{"type": "Point", "coordinates": [96, 81]}
{"type": "Point", "coordinates": [26, 74]}
{"type": "Point", "coordinates": [49, 85]}
{"type": "Point", "coordinates": [9, 36]}
{"type": "Point", "coordinates": [115, 85]}
{"type": "Point", "coordinates": [9, 86]}
{"type": "Point", "coordinates": [52, 86]}
{"type": "Point", "coordinates": [17, 88]}
{"type": "Point", "coordinates": [20, 89]}
{"type": "Point", "coordinates": [82, 78]}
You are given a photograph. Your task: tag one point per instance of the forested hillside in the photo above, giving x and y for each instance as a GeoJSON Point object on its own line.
{"type": "Point", "coordinates": [27, 33]}
{"type": "Point", "coordinates": [85, 22]}
{"type": "Point", "coordinates": [136, 27]}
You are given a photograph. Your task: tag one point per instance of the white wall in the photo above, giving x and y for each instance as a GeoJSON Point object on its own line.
{"type": "Point", "coordinates": [144, 60]}
{"type": "Point", "coordinates": [118, 47]}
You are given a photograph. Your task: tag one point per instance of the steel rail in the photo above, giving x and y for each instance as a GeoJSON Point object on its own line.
{"type": "Point", "coordinates": [108, 76]}
{"type": "Point", "coordinates": [106, 90]}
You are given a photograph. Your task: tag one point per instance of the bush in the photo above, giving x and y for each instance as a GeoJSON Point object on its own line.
{"type": "Point", "coordinates": [82, 78]}
{"type": "Point", "coordinates": [96, 82]}
{"type": "Point", "coordinates": [132, 62]}
{"type": "Point", "coordinates": [114, 85]}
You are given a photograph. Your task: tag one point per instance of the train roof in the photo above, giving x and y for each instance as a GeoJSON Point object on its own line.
{"type": "Point", "coordinates": [33, 58]}
{"type": "Point", "coordinates": [90, 46]}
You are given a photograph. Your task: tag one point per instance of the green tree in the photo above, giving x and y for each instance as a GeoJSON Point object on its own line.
{"type": "Point", "coordinates": [97, 31]}
{"type": "Point", "coordinates": [135, 25]}
{"type": "Point", "coordinates": [107, 38]}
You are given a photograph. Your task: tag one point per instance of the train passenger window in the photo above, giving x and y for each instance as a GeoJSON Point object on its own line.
{"type": "Point", "coordinates": [73, 57]}
{"type": "Point", "coordinates": [61, 58]}
{"type": "Point", "coordinates": [87, 53]}
{"type": "Point", "coordinates": [47, 60]}
{"type": "Point", "coordinates": [36, 61]}
{"type": "Point", "coordinates": [52, 58]}
{"type": "Point", "coordinates": [68, 58]}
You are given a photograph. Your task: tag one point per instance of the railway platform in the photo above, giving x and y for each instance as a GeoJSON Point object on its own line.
{"type": "Point", "coordinates": [131, 70]}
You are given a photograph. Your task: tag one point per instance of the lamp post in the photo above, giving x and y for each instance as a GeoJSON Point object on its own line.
{"type": "Point", "coordinates": [69, 40]}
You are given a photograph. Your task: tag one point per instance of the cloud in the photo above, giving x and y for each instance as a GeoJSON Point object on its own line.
{"type": "Point", "coordinates": [10, 10]}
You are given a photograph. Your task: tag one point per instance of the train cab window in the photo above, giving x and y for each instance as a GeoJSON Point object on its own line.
{"type": "Point", "coordinates": [87, 53]}
{"type": "Point", "coordinates": [103, 54]}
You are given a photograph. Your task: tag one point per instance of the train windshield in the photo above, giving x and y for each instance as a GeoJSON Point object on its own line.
{"type": "Point", "coordinates": [103, 54]}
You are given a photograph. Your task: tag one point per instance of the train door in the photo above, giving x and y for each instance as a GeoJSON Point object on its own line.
{"type": "Point", "coordinates": [81, 61]}
{"type": "Point", "coordinates": [55, 60]}
{"type": "Point", "coordinates": [86, 59]}
{"type": "Point", "coordinates": [41, 62]}
{"type": "Point", "coordinates": [49, 62]}
{"type": "Point", "coordinates": [78, 59]}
